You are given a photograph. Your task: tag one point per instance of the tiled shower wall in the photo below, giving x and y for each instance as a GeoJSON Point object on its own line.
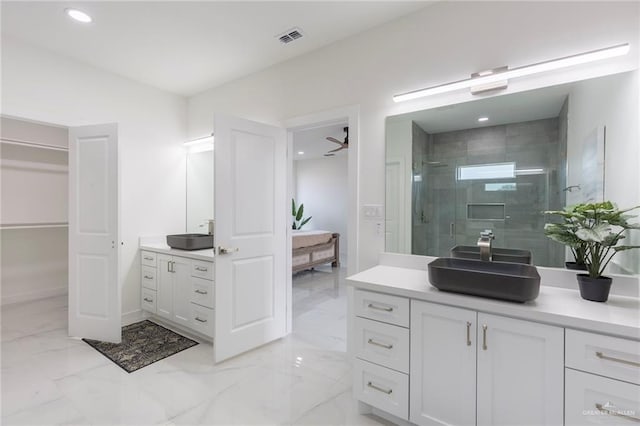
{"type": "Point", "coordinates": [440, 202]}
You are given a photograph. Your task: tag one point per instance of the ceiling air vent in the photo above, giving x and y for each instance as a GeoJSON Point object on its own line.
{"type": "Point", "coordinates": [289, 36]}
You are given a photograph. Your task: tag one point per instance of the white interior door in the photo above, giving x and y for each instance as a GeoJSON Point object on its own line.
{"type": "Point", "coordinates": [251, 220]}
{"type": "Point", "coordinates": [94, 293]}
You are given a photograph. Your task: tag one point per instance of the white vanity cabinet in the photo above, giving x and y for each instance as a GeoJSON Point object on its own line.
{"type": "Point", "coordinates": [520, 366]}
{"type": "Point", "coordinates": [174, 296]}
{"type": "Point", "coordinates": [443, 365]}
{"type": "Point", "coordinates": [178, 289]}
{"type": "Point", "coordinates": [381, 339]}
{"type": "Point", "coordinates": [512, 368]}
{"type": "Point", "coordinates": [603, 380]}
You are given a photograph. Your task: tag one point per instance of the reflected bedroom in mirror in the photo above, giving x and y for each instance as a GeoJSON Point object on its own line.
{"type": "Point", "coordinates": [496, 164]}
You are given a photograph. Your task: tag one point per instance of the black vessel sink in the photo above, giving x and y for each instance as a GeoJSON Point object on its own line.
{"type": "Point", "coordinates": [190, 241]}
{"type": "Point", "coordinates": [498, 280]}
{"type": "Point", "coordinates": [497, 254]}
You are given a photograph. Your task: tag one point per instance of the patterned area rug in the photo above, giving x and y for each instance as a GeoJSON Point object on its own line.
{"type": "Point", "coordinates": [143, 343]}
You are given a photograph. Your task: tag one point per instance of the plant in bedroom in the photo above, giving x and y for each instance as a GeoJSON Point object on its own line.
{"type": "Point", "coordinates": [298, 212]}
{"type": "Point", "coordinates": [600, 227]}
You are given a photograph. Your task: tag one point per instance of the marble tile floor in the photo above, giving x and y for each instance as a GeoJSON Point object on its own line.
{"type": "Point", "coordinates": [304, 379]}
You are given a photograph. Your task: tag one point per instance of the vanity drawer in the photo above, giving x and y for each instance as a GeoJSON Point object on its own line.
{"type": "Point", "coordinates": [382, 307]}
{"type": "Point", "coordinates": [148, 258]}
{"type": "Point", "coordinates": [383, 344]}
{"type": "Point", "coordinates": [148, 302]}
{"type": "Point", "coordinates": [202, 292]}
{"type": "Point", "coordinates": [591, 399]}
{"type": "Point", "coordinates": [202, 319]}
{"type": "Point", "coordinates": [382, 388]}
{"type": "Point", "coordinates": [202, 269]}
{"type": "Point", "coordinates": [148, 277]}
{"type": "Point", "coordinates": [604, 355]}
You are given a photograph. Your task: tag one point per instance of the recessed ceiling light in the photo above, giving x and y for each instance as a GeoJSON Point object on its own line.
{"type": "Point", "coordinates": [79, 15]}
{"type": "Point", "coordinates": [300, 152]}
{"type": "Point", "coordinates": [481, 119]}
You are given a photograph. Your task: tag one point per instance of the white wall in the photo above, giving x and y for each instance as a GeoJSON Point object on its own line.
{"type": "Point", "coordinates": [321, 185]}
{"type": "Point", "coordinates": [617, 108]}
{"type": "Point", "coordinates": [443, 42]}
{"type": "Point", "coordinates": [39, 85]}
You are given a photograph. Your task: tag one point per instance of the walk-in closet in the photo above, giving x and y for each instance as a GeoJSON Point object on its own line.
{"type": "Point", "coordinates": [33, 215]}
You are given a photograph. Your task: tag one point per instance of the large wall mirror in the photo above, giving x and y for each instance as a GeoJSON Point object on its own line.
{"type": "Point", "coordinates": [499, 162]}
{"type": "Point", "coordinates": [199, 188]}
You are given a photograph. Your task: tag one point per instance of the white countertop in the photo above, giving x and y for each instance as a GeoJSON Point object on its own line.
{"type": "Point", "coordinates": [619, 316]}
{"type": "Point", "coordinates": [207, 254]}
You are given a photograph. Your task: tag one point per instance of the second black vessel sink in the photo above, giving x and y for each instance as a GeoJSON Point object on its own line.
{"type": "Point", "coordinates": [190, 241]}
{"type": "Point", "coordinates": [498, 280]}
{"type": "Point", "coordinates": [497, 254]}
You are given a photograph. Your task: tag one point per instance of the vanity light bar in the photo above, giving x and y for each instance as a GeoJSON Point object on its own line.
{"type": "Point", "coordinates": [554, 64]}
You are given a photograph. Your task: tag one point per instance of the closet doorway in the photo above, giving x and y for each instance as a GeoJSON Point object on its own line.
{"type": "Point", "coordinates": [59, 221]}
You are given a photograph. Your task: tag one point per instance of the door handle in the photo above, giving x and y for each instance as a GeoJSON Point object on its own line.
{"type": "Point", "coordinates": [468, 333]}
{"type": "Point", "coordinates": [227, 250]}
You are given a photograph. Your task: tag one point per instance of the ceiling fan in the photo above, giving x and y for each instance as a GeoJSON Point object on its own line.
{"type": "Point", "coordinates": [343, 144]}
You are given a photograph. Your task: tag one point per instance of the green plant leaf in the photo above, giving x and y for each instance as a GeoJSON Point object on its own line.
{"type": "Point", "coordinates": [293, 207]}
{"type": "Point", "coordinates": [300, 212]}
{"type": "Point", "coordinates": [304, 222]}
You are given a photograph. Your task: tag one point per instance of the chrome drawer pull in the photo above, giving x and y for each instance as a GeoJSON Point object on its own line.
{"type": "Point", "coordinates": [484, 337]}
{"type": "Point", "coordinates": [147, 277]}
{"type": "Point", "coordinates": [201, 269]}
{"type": "Point", "coordinates": [148, 258]}
{"type": "Point", "coordinates": [623, 361]}
{"type": "Point", "coordinates": [382, 345]}
{"type": "Point", "coordinates": [380, 308]}
{"type": "Point", "coordinates": [468, 333]}
{"type": "Point", "coordinates": [379, 389]}
{"type": "Point", "coordinates": [201, 291]}
{"type": "Point", "coordinates": [200, 319]}
{"type": "Point", "coordinates": [607, 409]}
{"type": "Point", "coordinates": [146, 299]}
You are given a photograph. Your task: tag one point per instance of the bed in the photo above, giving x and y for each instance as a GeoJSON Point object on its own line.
{"type": "Point", "coordinates": [313, 248]}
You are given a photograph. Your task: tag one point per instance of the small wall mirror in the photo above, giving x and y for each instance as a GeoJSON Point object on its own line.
{"type": "Point", "coordinates": [498, 163]}
{"type": "Point", "coordinates": [199, 188]}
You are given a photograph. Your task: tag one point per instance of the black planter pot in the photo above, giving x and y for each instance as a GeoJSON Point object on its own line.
{"type": "Point", "coordinates": [594, 289]}
{"type": "Point", "coordinates": [575, 266]}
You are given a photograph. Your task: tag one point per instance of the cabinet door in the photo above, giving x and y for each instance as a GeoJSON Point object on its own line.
{"type": "Point", "coordinates": [181, 270]}
{"type": "Point", "coordinates": [443, 365]}
{"type": "Point", "coordinates": [164, 305]}
{"type": "Point", "coordinates": [520, 372]}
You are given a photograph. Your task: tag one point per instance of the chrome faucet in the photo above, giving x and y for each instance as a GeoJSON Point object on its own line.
{"type": "Point", "coordinates": [484, 242]}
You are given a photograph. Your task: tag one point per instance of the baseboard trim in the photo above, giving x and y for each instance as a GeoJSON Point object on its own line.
{"type": "Point", "coordinates": [34, 295]}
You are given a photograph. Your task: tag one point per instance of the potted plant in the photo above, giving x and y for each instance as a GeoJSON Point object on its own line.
{"type": "Point", "coordinates": [298, 212]}
{"type": "Point", "coordinates": [565, 233]}
{"type": "Point", "coordinates": [600, 226]}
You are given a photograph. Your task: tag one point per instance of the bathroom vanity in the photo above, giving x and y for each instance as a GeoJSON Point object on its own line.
{"type": "Point", "coordinates": [429, 357]}
{"type": "Point", "coordinates": [178, 285]}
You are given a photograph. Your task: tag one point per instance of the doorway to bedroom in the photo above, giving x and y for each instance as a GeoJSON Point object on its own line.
{"type": "Point", "coordinates": [319, 221]}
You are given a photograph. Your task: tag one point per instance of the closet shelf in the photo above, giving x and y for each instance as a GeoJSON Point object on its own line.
{"type": "Point", "coordinates": [34, 225]}
{"type": "Point", "coordinates": [33, 144]}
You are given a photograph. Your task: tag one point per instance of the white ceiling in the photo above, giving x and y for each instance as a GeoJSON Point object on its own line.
{"type": "Point", "coordinates": [188, 47]}
{"type": "Point", "coordinates": [314, 144]}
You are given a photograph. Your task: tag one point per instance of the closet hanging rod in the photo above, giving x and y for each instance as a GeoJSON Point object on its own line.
{"type": "Point", "coordinates": [34, 225]}
{"type": "Point", "coordinates": [34, 144]}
